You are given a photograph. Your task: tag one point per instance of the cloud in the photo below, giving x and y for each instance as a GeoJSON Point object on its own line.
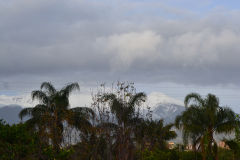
{"type": "Point", "coordinates": [99, 41]}
{"type": "Point", "coordinates": [128, 47]}
{"type": "Point", "coordinates": [22, 100]}
{"type": "Point", "coordinates": [190, 49]}
{"type": "Point", "coordinates": [204, 54]}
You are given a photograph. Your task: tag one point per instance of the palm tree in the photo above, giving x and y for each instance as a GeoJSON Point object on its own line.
{"type": "Point", "coordinates": [124, 110]}
{"type": "Point", "coordinates": [153, 134]}
{"type": "Point", "coordinates": [235, 147]}
{"type": "Point", "coordinates": [49, 115]}
{"type": "Point", "coordinates": [202, 119]}
{"type": "Point", "coordinates": [234, 144]}
{"type": "Point", "coordinates": [157, 134]}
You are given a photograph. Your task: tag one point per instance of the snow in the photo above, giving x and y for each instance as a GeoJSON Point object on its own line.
{"type": "Point", "coordinates": [157, 98]}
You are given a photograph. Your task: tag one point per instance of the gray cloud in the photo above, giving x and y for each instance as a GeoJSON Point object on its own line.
{"type": "Point", "coordinates": [93, 41]}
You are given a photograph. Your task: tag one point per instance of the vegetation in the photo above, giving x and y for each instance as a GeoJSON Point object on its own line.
{"type": "Point", "coordinates": [16, 142]}
{"type": "Point", "coordinates": [48, 117]}
{"type": "Point", "coordinates": [158, 154]}
{"type": "Point", "coordinates": [116, 127]}
{"type": "Point", "coordinates": [234, 144]}
{"type": "Point", "coordinates": [202, 119]}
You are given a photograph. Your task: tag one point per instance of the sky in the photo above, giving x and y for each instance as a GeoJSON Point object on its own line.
{"type": "Point", "coordinates": [172, 47]}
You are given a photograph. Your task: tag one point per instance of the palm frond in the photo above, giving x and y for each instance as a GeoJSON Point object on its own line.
{"type": "Point", "coordinates": [32, 122]}
{"type": "Point", "coordinates": [80, 122]}
{"type": "Point", "coordinates": [25, 112]}
{"type": "Point", "coordinates": [178, 123]}
{"type": "Point", "coordinates": [109, 97]}
{"type": "Point", "coordinates": [225, 120]}
{"type": "Point", "coordinates": [233, 145]}
{"type": "Point", "coordinates": [212, 100]}
{"type": "Point", "coordinates": [83, 111]}
{"type": "Point", "coordinates": [80, 117]}
{"type": "Point", "coordinates": [49, 87]}
{"type": "Point", "coordinates": [69, 88]}
{"type": "Point", "coordinates": [39, 110]}
{"type": "Point", "coordinates": [40, 95]}
{"type": "Point", "coordinates": [116, 105]}
{"type": "Point", "coordinates": [137, 99]}
{"type": "Point", "coordinates": [107, 125]}
{"type": "Point", "coordinates": [193, 96]}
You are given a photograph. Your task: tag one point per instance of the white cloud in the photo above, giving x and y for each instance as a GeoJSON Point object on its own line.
{"type": "Point", "coordinates": [189, 49]}
{"type": "Point", "coordinates": [204, 48]}
{"type": "Point", "coordinates": [80, 100]}
{"type": "Point", "coordinates": [22, 100]}
{"type": "Point", "coordinates": [86, 40]}
{"type": "Point", "coordinates": [128, 47]}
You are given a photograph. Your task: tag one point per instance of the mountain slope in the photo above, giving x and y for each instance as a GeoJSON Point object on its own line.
{"type": "Point", "coordinates": [167, 111]}
{"type": "Point", "coordinates": [10, 113]}
{"type": "Point", "coordinates": [163, 106]}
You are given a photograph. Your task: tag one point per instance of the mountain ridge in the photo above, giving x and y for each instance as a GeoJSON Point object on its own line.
{"type": "Point", "coordinates": [167, 111]}
{"type": "Point", "coordinates": [162, 106]}
{"type": "Point", "coordinates": [9, 113]}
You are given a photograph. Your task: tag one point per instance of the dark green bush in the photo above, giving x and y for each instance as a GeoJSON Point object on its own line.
{"type": "Point", "coordinates": [16, 142]}
{"type": "Point", "coordinates": [189, 155]}
{"type": "Point", "coordinates": [157, 154]}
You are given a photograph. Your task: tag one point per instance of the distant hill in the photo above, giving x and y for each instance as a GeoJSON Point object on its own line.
{"type": "Point", "coordinates": [163, 107]}
{"type": "Point", "coordinates": [160, 110]}
{"type": "Point", "coordinates": [9, 113]}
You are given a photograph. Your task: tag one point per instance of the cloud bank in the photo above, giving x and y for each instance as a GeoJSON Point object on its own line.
{"type": "Point", "coordinates": [146, 42]}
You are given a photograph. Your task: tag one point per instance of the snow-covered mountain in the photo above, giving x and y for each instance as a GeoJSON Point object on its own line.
{"type": "Point", "coordinates": [156, 98]}
{"type": "Point", "coordinates": [164, 107]}
{"type": "Point", "coordinates": [167, 111]}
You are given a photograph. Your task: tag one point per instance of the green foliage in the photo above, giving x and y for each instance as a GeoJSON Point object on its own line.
{"type": "Point", "coordinates": [53, 110]}
{"type": "Point", "coordinates": [119, 118]}
{"type": "Point", "coordinates": [189, 155]}
{"type": "Point", "coordinates": [157, 154]}
{"type": "Point", "coordinates": [115, 128]}
{"type": "Point", "coordinates": [155, 133]}
{"type": "Point", "coordinates": [234, 144]}
{"type": "Point", "coordinates": [225, 154]}
{"type": "Point", "coordinates": [16, 142]}
{"type": "Point", "coordinates": [202, 119]}
{"type": "Point", "coordinates": [51, 154]}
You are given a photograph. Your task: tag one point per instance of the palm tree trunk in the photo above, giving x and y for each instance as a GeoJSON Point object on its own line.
{"type": "Point", "coordinates": [109, 143]}
{"type": "Point", "coordinates": [195, 150]}
{"type": "Point", "coordinates": [210, 141]}
{"type": "Point", "coordinates": [203, 149]}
